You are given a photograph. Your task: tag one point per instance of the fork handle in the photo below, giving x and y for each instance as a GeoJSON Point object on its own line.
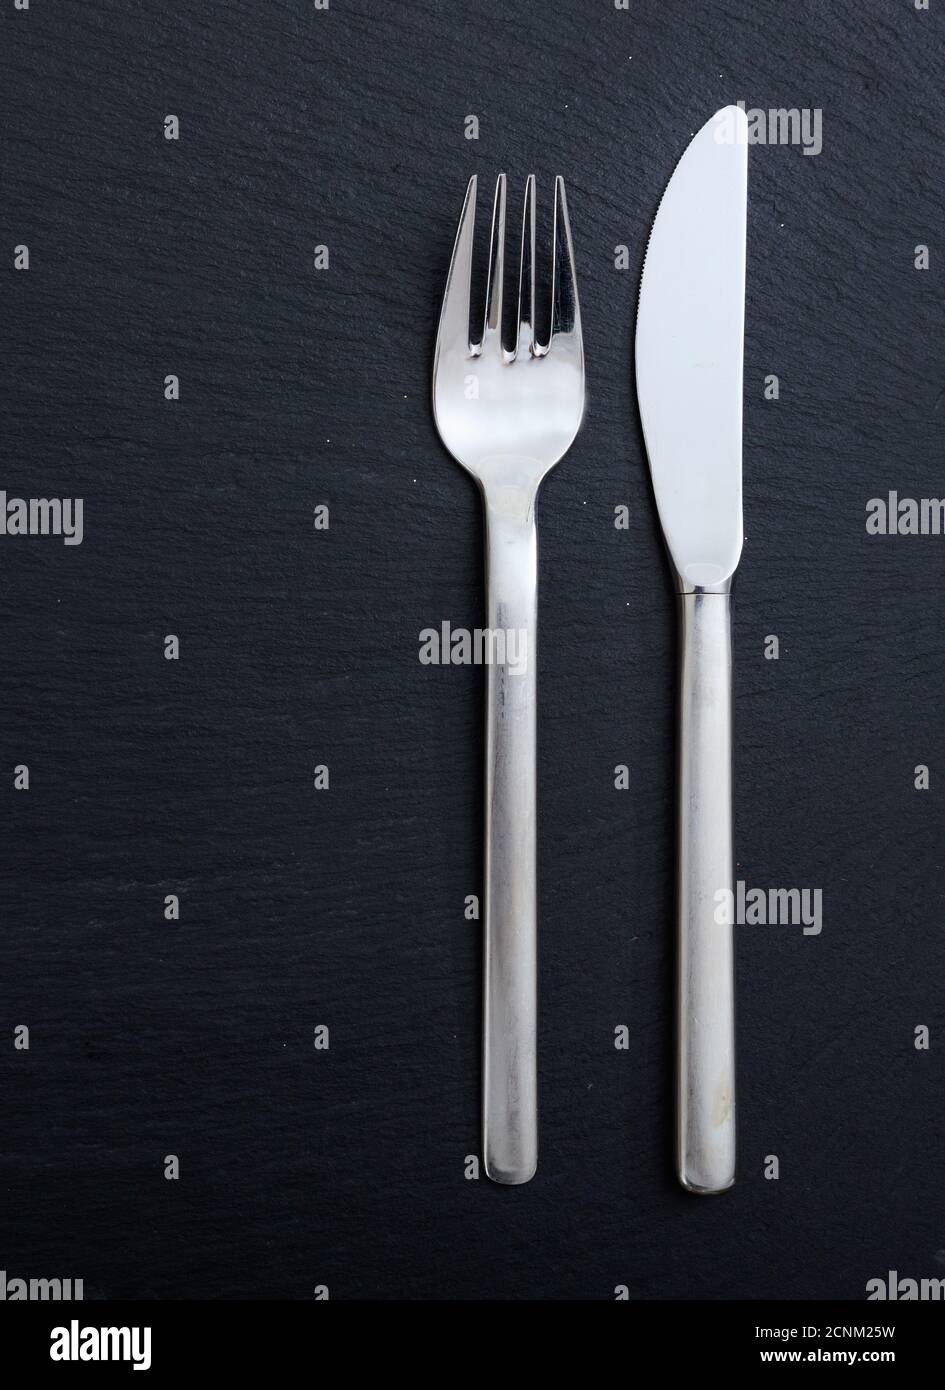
{"type": "Point", "coordinates": [705, 1014]}
{"type": "Point", "coordinates": [510, 1083]}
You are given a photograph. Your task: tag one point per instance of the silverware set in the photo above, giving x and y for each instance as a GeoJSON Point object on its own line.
{"type": "Point", "coordinates": [508, 412]}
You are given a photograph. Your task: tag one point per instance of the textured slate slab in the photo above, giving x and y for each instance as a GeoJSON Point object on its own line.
{"type": "Point", "coordinates": [344, 907]}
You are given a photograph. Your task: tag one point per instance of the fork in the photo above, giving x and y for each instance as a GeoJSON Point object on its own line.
{"type": "Point", "coordinates": [508, 414]}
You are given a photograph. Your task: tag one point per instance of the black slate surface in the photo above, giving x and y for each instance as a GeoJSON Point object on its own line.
{"type": "Point", "coordinates": [346, 1167]}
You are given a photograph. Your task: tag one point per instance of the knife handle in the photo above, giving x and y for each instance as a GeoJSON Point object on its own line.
{"type": "Point", "coordinates": [705, 1018]}
{"type": "Point", "coordinates": [510, 1082]}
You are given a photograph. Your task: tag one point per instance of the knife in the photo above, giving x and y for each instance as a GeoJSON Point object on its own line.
{"type": "Point", "coordinates": [689, 353]}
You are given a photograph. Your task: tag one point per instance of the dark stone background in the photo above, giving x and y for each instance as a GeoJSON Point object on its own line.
{"type": "Point", "coordinates": [299, 907]}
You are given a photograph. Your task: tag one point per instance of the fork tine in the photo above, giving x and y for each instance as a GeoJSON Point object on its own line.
{"type": "Point", "coordinates": [565, 310]}
{"type": "Point", "coordinates": [492, 328]}
{"type": "Point", "coordinates": [525, 341]}
{"type": "Point", "coordinates": [454, 315]}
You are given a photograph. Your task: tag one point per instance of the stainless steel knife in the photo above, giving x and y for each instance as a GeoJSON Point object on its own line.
{"type": "Point", "coordinates": [689, 352]}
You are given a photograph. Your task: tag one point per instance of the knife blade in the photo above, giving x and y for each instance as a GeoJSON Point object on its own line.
{"type": "Point", "coordinates": [689, 362]}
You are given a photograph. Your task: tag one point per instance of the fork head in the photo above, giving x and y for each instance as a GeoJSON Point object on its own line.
{"type": "Point", "coordinates": [509, 413]}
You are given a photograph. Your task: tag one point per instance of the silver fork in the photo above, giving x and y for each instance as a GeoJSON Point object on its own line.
{"type": "Point", "coordinates": [508, 415]}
